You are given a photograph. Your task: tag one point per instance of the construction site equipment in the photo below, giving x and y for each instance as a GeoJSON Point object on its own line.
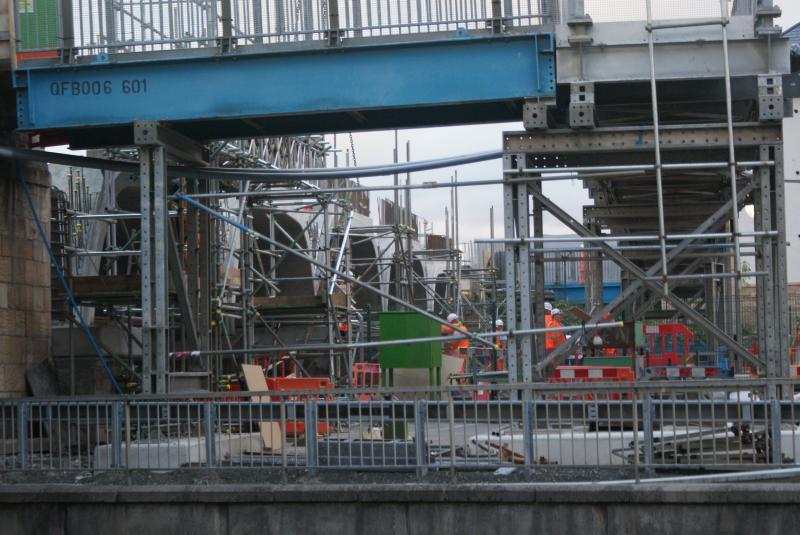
{"type": "Point", "coordinates": [668, 344]}
{"type": "Point", "coordinates": [654, 174]}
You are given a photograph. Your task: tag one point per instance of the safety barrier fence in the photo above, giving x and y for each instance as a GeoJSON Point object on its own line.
{"type": "Point", "coordinates": [88, 27]}
{"type": "Point", "coordinates": [69, 28]}
{"type": "Point", "coordinates": [680, 424]}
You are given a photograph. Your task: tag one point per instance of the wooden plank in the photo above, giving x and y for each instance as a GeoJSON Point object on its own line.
{"type": "Point", "coordinates": [271, 435]}
{"type": "Point", "coordinates": [256, 382]}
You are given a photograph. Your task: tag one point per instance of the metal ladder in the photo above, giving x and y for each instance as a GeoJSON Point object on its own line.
{"type": "Point", "coordinates": [651, 27]}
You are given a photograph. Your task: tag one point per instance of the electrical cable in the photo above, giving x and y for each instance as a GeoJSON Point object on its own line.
{"type": "Point", "coordinates": [64, 283]}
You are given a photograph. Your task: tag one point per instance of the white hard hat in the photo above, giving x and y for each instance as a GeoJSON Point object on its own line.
{"type": "Point", "coordinates": [498, 323]}
{"type": "Point", "coordinates": [548, 306]}
{"type": "Point", "coordinates": [555, 311]}
{"type": "Point", "coordinates": [452, 317]}
{"type": "Point", "coordinates": [597, 341]}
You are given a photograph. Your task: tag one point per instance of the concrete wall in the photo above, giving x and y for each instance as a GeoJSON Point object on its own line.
{"type": "Point", "coordinates": [24, 278]}
{"type": "Point", "coordinates": [508, 509]}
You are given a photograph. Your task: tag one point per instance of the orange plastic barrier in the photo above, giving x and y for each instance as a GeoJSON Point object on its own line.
{"type": "Point", "coordinates": [592, 374]}
{"type": "Point", "coordinates": [366, 375]}
{"type": "Point", "coordinates": [290, 384]}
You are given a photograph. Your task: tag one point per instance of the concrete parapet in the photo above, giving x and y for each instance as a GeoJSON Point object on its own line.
{"type": "Point", "coordinates": [312, 508]}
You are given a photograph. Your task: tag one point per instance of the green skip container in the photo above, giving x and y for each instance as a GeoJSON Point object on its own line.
{"type": "Point", "coordinates": [404, 326]}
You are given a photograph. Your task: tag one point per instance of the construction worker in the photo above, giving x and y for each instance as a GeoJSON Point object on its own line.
{"type": "Point", "coordinates": [549, 341]}
{"type": "Point", "coordinates": [343, 329]}
{"type": "Point", "coordinates": [555, 321]}
{"type": "Point", "coordinates": [501, 344]}
{"type": "Point", "coordinates": [453, 346]}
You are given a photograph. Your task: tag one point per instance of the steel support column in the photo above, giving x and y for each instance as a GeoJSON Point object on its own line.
{"type": "Point", "coordinates": [510, 269]}
{"type": "Point", "coordinates": [773, 217]}
{"type": "Point", "coordinates": [538, 275]}
{"type": "Point", "coordinates": [155, 302]}
{"type": "Point", "coordinates": [765, 286]}
{"type": "Point", "coordinates": [153, 142]}
{"type": "Point", "coordinates": [517, 272]}
{"type": "Point", "coordinates": [779, 262]}
{"type": "Point", "coordinates": [524, 266]}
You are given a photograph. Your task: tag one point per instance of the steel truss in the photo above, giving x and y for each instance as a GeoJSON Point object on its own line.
{"type": "Point", "coordinates": [706, 198]}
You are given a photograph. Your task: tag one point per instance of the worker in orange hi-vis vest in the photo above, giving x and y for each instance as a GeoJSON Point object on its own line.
{"type": "Point", "coordinates": [501, 344]}
{"type": "Point", "coordinates": [606, 351]}
{"type": "Point", "coordinates": [453, 346]}
{"type": "Point", "coordinates": [549, 341]}
{"type": "Point", "coordinates": [558, 336]}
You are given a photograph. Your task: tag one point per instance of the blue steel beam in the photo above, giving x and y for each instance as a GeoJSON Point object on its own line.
{"type": "Point", "coordinates": [394, 79]}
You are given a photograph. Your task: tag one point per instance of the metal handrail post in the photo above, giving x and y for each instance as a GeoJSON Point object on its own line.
{"type": "Point", "coordinates": [116, 434]}
{"type": "Point", "coordinates": [226, 18]}
{"type": "Point", "coordinates": [635, 407]}
{"type": "Point", "coordinates": [312, 452]}
{"type": "Point", "coordinates": [647, 428]}
{"type": "Point", "coordinates": [497, 16]}
{"type": "Point", "coordinates": [334, 33]}
{"type": "Point", "coordinates": [209, 425]}
{"type": "Point", "coordinates": [775, 431]}
{"type": "Point", "coordinates": [657, 146]}
{"type": "Point", "coordinates": [67, 37]}
{"type": "Point", "coordinates": [23, 409]}
{"type": "Point", "coordinates": [420, 446]}
{"type": "Point", "coordinates": [528, 429]}
{"type": "Point", "coordinates": [732, 166]}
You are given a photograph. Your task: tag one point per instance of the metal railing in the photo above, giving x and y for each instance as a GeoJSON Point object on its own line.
{"type": "Point", "coordinates": [682, 424]}
{"type": "Point", "coordinates": [90, 27]}
{"type": "Point", "coordinates": [630, 10]}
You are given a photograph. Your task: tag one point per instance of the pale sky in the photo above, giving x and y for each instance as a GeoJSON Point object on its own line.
{"type": "Point", "coordinates": [377, 148]}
